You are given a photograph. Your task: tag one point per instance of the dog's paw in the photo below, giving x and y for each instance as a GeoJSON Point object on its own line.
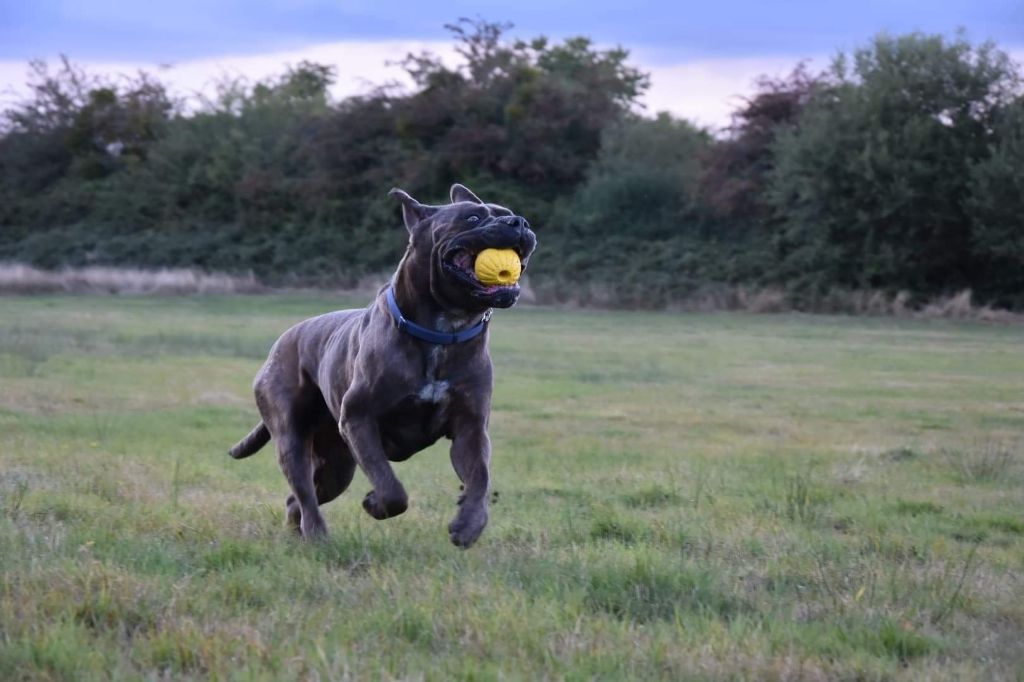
{"type": "Point", "coordinates": [465, 529]}
{"type": "Point", "coordinates": [314, 530]}
{"type": "Point", "coordinates": [381, 509]}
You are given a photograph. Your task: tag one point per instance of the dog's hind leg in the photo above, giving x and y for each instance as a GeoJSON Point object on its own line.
{"type": "Point", "coordinates": [296, 458]}
{"type": "Point", "coordinates": [292, 514]}
{"type": "Point", "coordinates": [335, 465]}
{"type": "Point", "coordinates": [332, 475]}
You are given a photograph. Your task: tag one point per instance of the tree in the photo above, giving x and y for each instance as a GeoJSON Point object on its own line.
{"type": "Point", "coordinates": [276, 177]}
{"type": "Point", "coordinates": [735, 170]}
{"type": "Point", "coordinates": [532, 112]}
{"type": "Point", "coordinates": [873, 181]}
{"type": "Point", "coordinates": [72, 130]}
{"type": "Point", "coordinates": [996, 209]}
{"type": "Point", "coordinates": [632, 228]}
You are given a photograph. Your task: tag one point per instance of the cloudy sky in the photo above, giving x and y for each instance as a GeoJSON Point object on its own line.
{"type": "Point", "coordinates": [702, 56]}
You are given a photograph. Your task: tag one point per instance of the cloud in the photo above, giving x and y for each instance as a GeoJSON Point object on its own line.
{"type": "Point", "coordinates": [361, 65]}
{"type": "Point", "coordinates": [705, 91]}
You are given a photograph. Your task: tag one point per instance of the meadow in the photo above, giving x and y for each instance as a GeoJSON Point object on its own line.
{"type": "Point", "coordinates": [678, 496]}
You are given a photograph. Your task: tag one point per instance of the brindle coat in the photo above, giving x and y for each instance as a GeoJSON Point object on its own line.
{"type": "Point", "coordinates": [350, 388]}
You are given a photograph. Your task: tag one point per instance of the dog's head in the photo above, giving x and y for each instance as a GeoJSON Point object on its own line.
{"type": "Point", "coordinates": [446, 239]}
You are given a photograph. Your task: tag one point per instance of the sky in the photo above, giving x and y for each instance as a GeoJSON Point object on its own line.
{"type": "Point", "coordinates": [703, 57]}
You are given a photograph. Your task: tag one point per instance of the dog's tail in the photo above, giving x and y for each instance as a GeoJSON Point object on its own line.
{"type": "Point", "coordinates": [249, 445]}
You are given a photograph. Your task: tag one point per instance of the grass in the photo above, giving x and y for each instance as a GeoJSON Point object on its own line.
{"type": "Point", "coordinates": [16, 278]}
{"type": "Point", "coordinates": [680, 496]}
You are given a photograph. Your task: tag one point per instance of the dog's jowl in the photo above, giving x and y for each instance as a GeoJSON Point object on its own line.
{"type": "Point", "coordinates": [376, 385]}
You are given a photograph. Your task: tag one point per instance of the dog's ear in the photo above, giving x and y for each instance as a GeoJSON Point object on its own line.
{"type": "Point", "coordinates": [462, 193]}
{"type": "Point", "coordinates": [412, 211]}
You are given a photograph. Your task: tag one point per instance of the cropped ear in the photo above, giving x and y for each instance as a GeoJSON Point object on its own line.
{"type": "Point", "coordinates": [462, 193]}
{"type": "Point", "coordinates": [412, 211]}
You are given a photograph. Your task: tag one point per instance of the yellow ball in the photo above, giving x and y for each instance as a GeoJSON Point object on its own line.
{"type": "Point", "coordinates": [498, 266]}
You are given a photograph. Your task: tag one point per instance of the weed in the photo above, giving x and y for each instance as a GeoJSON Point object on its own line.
{"type": "Point", "coordinates": [13, 499]}
{"type": "Point", "coordinates": [915, 508]}
{"type": "Point", "coordinates": [986, 462]}
{"type": "Point", "coordinates": [608, 526]}
{"type": "Point", "coordinates": [803, 500]}
{"type": "Point", "coordinates": [901, 454]}
{"type": "Point", "coordinates": [653, 497]}
{"type": "Point", "coordinates": [648, 589]}
{"type": "Point", "coordinates": [951, 601]}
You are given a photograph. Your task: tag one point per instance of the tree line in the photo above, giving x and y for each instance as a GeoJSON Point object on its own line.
{"type": "Point", "coordinates": [900, 167]}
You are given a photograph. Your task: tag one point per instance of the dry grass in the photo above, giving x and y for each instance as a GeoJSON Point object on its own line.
{"type": "Point", "coordinates": [962, 307]}
{"type": "Point", "coordinates": [990, 460]}
{"type": "Point", "coordinates": [958, 306]}
{"type": "Point", "coordinates": [21, 279]}
{"type": "Point", "coordinates": [742, 298]}
{"type": "Point", "coordinates": [25, 279]}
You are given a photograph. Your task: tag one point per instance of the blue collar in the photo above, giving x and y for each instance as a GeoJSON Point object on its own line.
{"type": "Point", "coordinates": [430, 335]}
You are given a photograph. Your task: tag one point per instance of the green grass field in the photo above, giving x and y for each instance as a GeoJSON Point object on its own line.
{"type": "Point", "coordinates": [680, 496]}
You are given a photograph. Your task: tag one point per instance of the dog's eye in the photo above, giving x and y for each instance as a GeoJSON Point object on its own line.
{"type": "Point", "coordinates": [473, 219]}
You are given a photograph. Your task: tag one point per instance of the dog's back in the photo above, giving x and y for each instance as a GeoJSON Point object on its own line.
{"type": "Point", "coordinates": [293, 355]}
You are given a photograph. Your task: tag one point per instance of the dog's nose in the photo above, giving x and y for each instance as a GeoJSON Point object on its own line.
{"type": "Point", "coordinates": [516, 221]}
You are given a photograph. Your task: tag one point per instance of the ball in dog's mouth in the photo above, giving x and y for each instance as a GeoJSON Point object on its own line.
{"type": "Point", "coordinates": [488, 271]}
{"type": "Point", "coordinates": [498, 266]}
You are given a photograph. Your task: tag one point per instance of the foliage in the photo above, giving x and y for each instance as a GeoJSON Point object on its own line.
{"type": "Point", "coordinates": [899, 169]}
{"type": "Point", "coordinates": [996, 208]}
{"type": "Point", "coordinates": [872, 184]}
{"type": "Point", "coordinates": [635, 219]}
{"type": "Point", "coordinates": [734, 170]}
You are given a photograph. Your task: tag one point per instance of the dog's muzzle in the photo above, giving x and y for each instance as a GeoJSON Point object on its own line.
{"type": "Point", "coordinates": [458, 256]}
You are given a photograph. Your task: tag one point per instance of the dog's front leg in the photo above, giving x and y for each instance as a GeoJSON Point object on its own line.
{"type": "Point", "coordinates": [471, 458]}
{"type": "Point", "coordinates": [361, 431]}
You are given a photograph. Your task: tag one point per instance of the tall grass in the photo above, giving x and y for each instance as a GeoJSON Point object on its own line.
{"type": "Point", "coordinates": [24, 279]}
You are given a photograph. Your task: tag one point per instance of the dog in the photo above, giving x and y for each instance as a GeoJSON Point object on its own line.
{"type": "Point", "coordinates": [377, 385]}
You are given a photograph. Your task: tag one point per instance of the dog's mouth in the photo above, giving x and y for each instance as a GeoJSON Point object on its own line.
{"type": "Point", "coordinates": [459, 262]}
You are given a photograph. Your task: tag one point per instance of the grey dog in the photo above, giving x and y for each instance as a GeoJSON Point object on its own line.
{"type": "Point", "coordinates": [377, 385]}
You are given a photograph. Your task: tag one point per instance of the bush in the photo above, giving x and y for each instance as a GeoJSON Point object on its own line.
{"type": "Point", "coordinates": [873, 182]}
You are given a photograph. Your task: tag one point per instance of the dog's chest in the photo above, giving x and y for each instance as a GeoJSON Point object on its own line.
{"type": "Point", "coordinates": [434, 389]}
{"type": "Point", "coordinates": [422, 416]}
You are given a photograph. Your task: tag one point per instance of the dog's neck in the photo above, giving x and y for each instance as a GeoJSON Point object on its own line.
{"type": "Point", "coordinates": [417, 303]}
